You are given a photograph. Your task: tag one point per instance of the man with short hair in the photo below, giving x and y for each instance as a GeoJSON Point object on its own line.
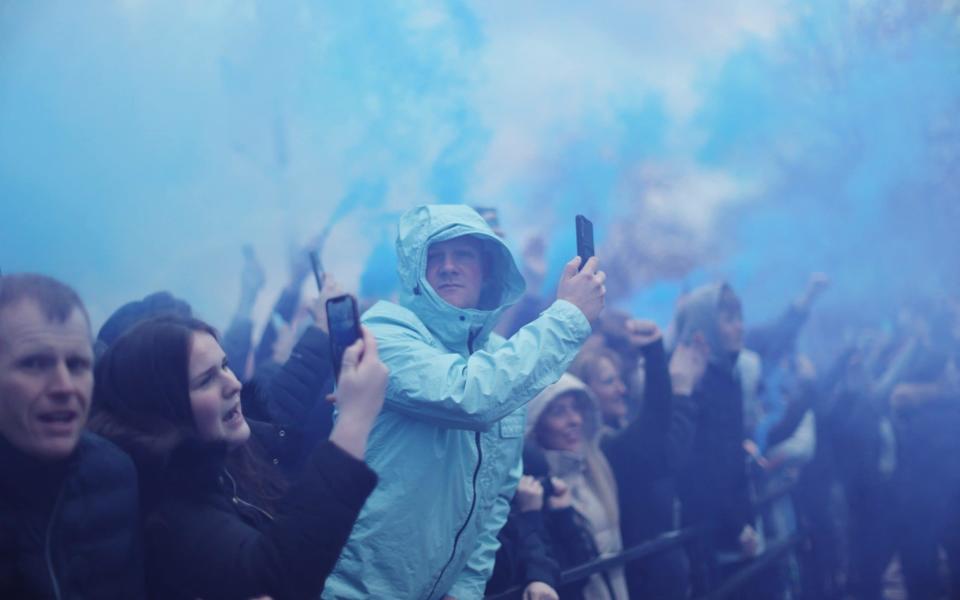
{"type": "Point", "coordinates": [448, 444]}
{"type": "Point", "coordinates": [69, 523]}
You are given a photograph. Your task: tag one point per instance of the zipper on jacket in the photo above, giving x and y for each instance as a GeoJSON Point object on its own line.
{"type": "Point", "coordinates": [240, 501]}
{"type": "Point", "coordinates": [48, 538]}
{"type": "Point", "coordinates": [473, 506]}
{"type": "Point", "coordinates": [472, 337]}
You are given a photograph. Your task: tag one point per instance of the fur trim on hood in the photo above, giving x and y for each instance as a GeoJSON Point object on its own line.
{"type": "Point", "coordinates": [587, 404]}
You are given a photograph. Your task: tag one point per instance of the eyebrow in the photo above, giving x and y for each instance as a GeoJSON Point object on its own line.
{"type": "Point", "coordinates": [202, 374]}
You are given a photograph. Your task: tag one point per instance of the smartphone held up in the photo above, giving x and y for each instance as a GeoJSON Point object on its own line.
{"type": "Point", "coordinates": [343, 323]}
{"type": "Point", "coordinates": [584, 240]}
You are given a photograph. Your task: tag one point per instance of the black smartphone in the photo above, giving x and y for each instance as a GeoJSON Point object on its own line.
{"type": "Point", "coordinates": [343, 323]}
{"type": "Point", "coordinates": [584, 240]}
{"type": "Point", "coordinates": [318, 274]}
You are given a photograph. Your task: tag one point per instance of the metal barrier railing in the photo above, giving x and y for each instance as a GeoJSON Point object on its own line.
{"type": "Point", "coordinates": [768, 559]}
{"type": "Point", "coordinates": [658, 544]}
{"type": "Point", "coordinates": [679, 537]}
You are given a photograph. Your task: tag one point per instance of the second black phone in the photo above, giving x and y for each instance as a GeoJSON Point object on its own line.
{"type": "Point", "coordinates": [343, 323]}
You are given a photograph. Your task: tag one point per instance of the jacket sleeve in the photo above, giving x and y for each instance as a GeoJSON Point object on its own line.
{"type": "Point", "coordinates": [430, 383]}
{"type": "Point", "coordinates": [294, 393]}
{"type": "Point", "coordinates": [537, 563]}
{"type": "Point", "coordinates": [472, 580]}
{"type": "Point", "coordinates": [211, 553]}
{"type": "Point", "coordinates": [658, 441]}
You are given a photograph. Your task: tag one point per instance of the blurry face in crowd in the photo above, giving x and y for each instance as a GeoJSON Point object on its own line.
{"type": "Point", "coordinates": [46, 380]}
{"type": "Point", "coordinates": [561, 425]}
{"type": "Point", "coordinates": [215, 393]}
{"type": "Point", "coordinates": [608, 387]}
{"type": "Point", "coordinates": [455, 270]}
{"type": "Point", "coordinates": [730, 323]}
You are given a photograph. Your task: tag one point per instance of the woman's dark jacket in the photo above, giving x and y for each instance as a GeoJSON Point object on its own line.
{"type": "Point", "coordinates": [205, 536]}
{"type": "Point", "coordinates": [292, 395]}
{"type": "Point", "coordinates": [70, 530]}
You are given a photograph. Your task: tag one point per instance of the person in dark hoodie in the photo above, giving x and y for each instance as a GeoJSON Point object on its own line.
{"type": "Point", "coordinates": [219, 522]}
{"type": "Point", "coordinates": [646, 452]}
{"type": "Point", "coordinates": [714, 485]}
{"type": "Point", "coordinates": [69, 517]}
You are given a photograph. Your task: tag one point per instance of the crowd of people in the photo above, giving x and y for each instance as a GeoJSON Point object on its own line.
{"type": "Point", "coordinates": [479, 439]}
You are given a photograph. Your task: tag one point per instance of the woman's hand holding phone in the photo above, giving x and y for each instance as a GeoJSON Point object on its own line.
{"type": "Point", "coordinates": [359, 395]}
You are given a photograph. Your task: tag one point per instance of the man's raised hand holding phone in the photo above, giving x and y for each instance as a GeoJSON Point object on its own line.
{"type": "Point", "coordinates": [584, 289]}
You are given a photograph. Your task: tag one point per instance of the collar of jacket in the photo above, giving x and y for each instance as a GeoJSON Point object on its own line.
{"type": "Point", "coordinates": [565, 463]}
{"type": "Point", "coordinates": [194, 467]}
{"type": "Point", "coordinates": [29, 480]}
{"type": "Point", "coordinates": [459, 329]}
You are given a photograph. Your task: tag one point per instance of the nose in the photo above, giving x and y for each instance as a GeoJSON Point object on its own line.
{"type": "Point", "coordinates": [232, 385]}
{"type": "Point", "coordinates": [449, 265]}
{"type": "Point", "coordinates": [61, 384]}
{"type": "Point", "coordinates": [575, 418]}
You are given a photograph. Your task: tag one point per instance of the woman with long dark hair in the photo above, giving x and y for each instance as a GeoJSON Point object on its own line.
{"type": "Point", "coordinates": [219, 520]}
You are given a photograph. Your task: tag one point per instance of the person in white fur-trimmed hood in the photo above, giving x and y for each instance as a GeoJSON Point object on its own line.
{"type": "Point", "coordinates": [563, 422]}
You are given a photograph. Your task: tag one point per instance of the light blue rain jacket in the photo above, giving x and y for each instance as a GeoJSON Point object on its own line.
{"type": "Point", "coordinates": [448, 444]}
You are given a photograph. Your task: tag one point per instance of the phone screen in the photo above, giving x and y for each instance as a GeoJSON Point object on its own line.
{"type": "Point", "coordinates": [584, 239]}
{"type": "Point", "coordinates": [343, 323]}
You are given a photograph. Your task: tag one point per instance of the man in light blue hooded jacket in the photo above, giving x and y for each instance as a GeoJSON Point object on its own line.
{"type": "Point", "coordinates": [447, 446]}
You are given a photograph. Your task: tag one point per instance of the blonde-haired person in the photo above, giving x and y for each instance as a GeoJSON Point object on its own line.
{"type": "Point", "coordinates": [646, 444]}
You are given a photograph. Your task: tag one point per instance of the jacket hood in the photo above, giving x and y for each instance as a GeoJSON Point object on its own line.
{"type": "Point", "coordinates": [585, 402]}
{"type": "Point", "coordinates": [424, 225]}
{"type": "Point", "coordinates": [700, 312]}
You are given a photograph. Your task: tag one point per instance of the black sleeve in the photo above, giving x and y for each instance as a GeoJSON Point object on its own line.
{"type": "Point", "coordinates": [657, 389]}
{"type": "Point", "coordinates": [295, 393]}
{"type": "Point", "coordinates": [523, 556]}
{"type": "Point", "coordinates": [659, 440]}
{"type": "Point", "coordinates": [570, 543]}
{"type": "Point", "coordinates": [210, 553]}
{"type": "Point", "coordinates": [535, 559]}
{"type": "Point", "coordinates": [285, 307]}
{"type": "Point", "coordinates": [236, 343]}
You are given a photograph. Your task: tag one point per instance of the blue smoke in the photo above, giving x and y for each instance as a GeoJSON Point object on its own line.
{"type": "Point", "coordinates": [142, 144]}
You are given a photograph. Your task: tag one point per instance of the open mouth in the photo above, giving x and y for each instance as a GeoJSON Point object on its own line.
{"type": "Point", "coordinates": [59, 422]}
{"type": "Point", "coordinates": [233, 414]}
{"type": "Point", "coordinates": [58, 417]}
